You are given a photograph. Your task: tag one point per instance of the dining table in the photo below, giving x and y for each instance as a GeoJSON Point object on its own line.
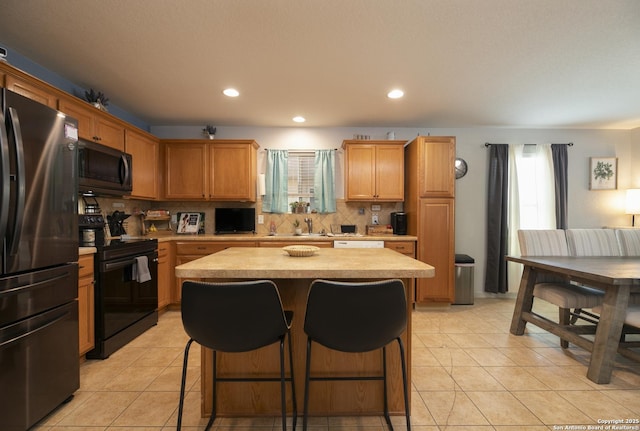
{"type": "Point", "coordinates": [617, 276]}
{"type": "Point", "coordinates": [293, 276]}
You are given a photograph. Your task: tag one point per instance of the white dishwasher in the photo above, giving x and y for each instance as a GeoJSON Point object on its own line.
{"type": "Point", "coordinates": [358, 244]}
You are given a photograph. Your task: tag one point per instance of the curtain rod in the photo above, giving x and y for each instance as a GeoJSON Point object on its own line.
{"type": "Point", "coordinates": [569, 144]}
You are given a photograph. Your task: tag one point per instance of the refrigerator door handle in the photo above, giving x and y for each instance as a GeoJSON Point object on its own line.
{"type": "Point", "coordinates": [35, 328]}
{"type": "Point", "coordinates": [14, 122]}
{"type": "Point", "coordinates": [5, 190]}
{"type": "Point", "coordinates": [34, 285]}
{"type": "Point", "coordinates": [125, 171]}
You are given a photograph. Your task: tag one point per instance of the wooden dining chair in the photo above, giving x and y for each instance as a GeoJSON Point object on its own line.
{"type": "Point", "coordinates": [236, 317]}
{"type": "Point", "coordinates": [570, 298]}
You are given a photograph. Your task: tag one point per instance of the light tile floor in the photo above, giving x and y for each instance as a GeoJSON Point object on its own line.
{"type": "Point", "coordinates": [468, 373]}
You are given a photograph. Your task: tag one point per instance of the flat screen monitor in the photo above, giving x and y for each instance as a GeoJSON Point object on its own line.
{"type": "Point", "coordinates": [235, 220]}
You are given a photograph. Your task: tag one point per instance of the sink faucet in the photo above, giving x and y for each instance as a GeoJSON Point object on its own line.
{"type": "Point", "coordinates": [309, 223]}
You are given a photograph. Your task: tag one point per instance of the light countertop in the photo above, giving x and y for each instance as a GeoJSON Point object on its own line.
{"type": "Point", "coordinates": [267, 262]}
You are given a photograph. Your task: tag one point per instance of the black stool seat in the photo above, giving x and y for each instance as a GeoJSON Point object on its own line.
{"type": "Point", "coordinates": [356, 317]}
{"type": "Point", "coordinates": [236, 317]}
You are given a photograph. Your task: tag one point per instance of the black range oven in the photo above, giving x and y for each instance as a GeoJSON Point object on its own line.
{"type": "Point", "coordinates": [126, 293]}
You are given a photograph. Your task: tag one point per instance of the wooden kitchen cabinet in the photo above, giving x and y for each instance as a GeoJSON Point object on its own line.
{"type": "Point", "coordinates": [436, 179]}
{"type": "Point", "coordinates": [185, 170]}
{"type": "Point", "coordinates": [144, 149]}
{"type": "Point", "coordinates": [165, 273]}
{"type": "Point", "coordinates": [186, 251]}
{"type": "Point", "coordinates": [31, 90]}
{"type": "Point", "coordinates": [407, 248]}
{"type": "Point", "coordinates": [94, 125]}
{"type": "Point", "coordinates": [233, 171]}
{"type": "Point", "coordinates": [86, 301]}
{"type": "Point", "coordinates": [374, 170]}
{"type": "Point", "coordinates": [196, 169]}
{"type": "Point", "coordinates": [430, 207]}
{"type": "Point", "coordinates": [436, 244]}
{"type": "Point", "coordinates": [280, 244]}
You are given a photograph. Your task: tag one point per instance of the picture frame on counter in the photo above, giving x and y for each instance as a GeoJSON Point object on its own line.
{"type": "Point", "coordinates": [190, 223]}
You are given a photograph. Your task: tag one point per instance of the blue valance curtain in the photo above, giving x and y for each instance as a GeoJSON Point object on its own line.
{"type": "Point", "coordinates": [324, 184]}
{"type": "Point", "coordinates": [276, 177]}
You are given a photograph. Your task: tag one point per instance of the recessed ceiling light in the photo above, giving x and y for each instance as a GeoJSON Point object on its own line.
{"type": "Point", "coordinates": [299, 119]}
{"type": "Point", "coordinates": [231, 92]}
{"type": "Point", "coordinates": [395, 94]}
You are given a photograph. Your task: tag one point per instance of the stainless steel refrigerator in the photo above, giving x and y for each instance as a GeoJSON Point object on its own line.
{"type": "Point", "coordinates": [39, 364]}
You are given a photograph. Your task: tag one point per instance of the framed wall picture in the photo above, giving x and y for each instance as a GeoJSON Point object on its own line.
{"type": "Point", "coordinates": [603, 173]}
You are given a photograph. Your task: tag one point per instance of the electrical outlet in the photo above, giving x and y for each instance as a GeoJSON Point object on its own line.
{"type": "Point", "coordinates": [260, 219]}
{"type": "Point", "coordinates": [374, 219]}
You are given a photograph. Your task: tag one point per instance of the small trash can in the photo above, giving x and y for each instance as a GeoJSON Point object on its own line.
{"type": "Point", "coordinates": [464, 279]}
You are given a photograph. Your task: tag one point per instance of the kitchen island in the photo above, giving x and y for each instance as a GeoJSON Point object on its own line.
{"type": "Point", "coordinates": [293, 276]}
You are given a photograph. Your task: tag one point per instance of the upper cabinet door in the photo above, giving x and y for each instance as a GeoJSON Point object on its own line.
{"type": "Point", "coordinates": [374, 170]}
{"type": "Point", "coordinates": [360, 172]}
{"type": "Point", "coordinates": [108, 132]}
{"type": "Point", "coordinates": [94, 125]}
{"type": "Point", "coordinates": [436, 166]}
{"type": "Point", "coordinates": [144, 150]}
{"type": "Point", "coordinates": [31, 91]}
{"type": "Point", "coordinates": [390, 172]}
{"type": "Point", "coordinates": [80, 113]}
{"type": "Point", "coordinates": [233, 171]}
{"type": "Point", "coordinates": [186, 170]}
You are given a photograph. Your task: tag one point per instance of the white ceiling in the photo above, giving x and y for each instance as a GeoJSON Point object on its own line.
{"type": "Point", "coordinates": [461, 63]}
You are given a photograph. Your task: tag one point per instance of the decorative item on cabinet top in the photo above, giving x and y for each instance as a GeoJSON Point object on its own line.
{"type": "Point", "coordinates": [99, 99]}
{"type": "Point", "coordinates": [209, 131]}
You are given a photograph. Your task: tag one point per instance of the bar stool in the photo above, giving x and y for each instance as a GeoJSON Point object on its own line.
{"type": "Point", "coordinates": [356, 317]}
{"type": "Point", "coordinates": [236, 317]}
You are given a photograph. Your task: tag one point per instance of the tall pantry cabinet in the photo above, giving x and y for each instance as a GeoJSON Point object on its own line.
{"type": "Point", "coordinates": [429, 204]}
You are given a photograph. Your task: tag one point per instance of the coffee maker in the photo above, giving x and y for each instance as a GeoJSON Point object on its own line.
{"type": "Point", "coordinates": [399, 223]}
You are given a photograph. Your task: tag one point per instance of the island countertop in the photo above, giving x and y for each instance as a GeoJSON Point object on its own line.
{"type": "Point", "coordinates": [293, 276]}
{"type": "Point", "coordinates": [265, 262]}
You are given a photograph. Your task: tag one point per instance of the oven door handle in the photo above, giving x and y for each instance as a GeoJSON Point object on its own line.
{"type": "Point", "coordinates": [112, 266]}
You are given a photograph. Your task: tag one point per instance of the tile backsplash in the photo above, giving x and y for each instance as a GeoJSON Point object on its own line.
{"type": "Point", "coordinates": [352, 213]}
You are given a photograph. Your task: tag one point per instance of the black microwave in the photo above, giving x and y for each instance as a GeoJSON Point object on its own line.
{"type": "Point", "coordinates": [103, 171]}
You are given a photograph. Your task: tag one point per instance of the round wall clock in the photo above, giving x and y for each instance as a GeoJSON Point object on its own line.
{"type": "Point", "coordinates": [461, 168]}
